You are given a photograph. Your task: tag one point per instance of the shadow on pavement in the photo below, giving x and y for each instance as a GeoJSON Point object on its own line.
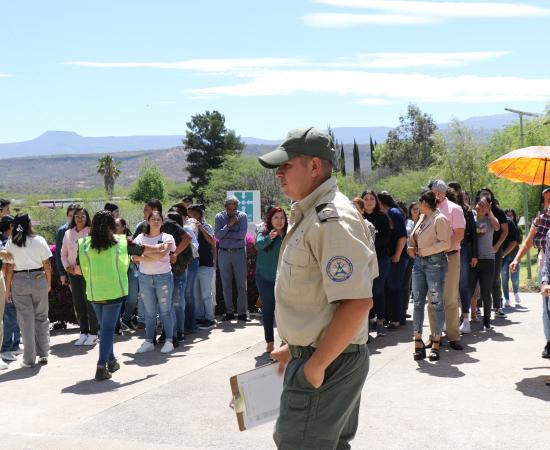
{"type": "Point", "coordinates": [153, 358]}
{"type": "Point", "coordinates": [232, 326]}
{"type": "Point", "coordinates": [535, 387]}
{"type": "Point", "coordinates": [21, 373]}
{"type": "Point", "coordinates": [90, 387]}
{"type": "Point", "coordinates": [441, 368]}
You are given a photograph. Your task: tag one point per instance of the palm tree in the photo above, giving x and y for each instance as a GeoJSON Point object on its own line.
{"type": "Point", "coordinates": [108, 167]}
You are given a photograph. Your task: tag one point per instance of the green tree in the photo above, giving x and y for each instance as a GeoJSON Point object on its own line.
{"type": "Point", "coordinates": [413, 144]}
{"type": "Point", "coordinates": [465, 159]}
{"type": "Point", "coordinates": [108, 168]}
{"type": "Point", "coordinates": [356, 159]}
{"type": "Point", "coordinates": [207, 143]}
{"type": "Point", "coordinates": [150, 184]}
{"type": "Point", "coordinates": [242, 173]}
{"type": "Point", "coordinates": [342, 160]}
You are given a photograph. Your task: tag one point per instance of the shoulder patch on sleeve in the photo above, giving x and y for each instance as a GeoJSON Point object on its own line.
{"type": "Point", "coordinates": [326, 212]}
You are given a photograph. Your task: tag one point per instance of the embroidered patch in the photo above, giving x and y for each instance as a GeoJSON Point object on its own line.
{"type": "Point", "coordinates": [339, 269]}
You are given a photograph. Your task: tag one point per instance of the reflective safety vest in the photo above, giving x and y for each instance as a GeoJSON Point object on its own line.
{"type": "Point", "coordinates": [105, 272]}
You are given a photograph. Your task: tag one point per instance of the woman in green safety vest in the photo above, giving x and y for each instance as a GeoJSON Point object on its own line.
{"type": "Point", "coordinates": [103, 259]}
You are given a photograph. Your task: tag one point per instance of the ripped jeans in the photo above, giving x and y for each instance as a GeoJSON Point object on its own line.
{"type": "Point", "coordinates": [156, 292]}
{"type": "Point", "coordinates": [429, 275]}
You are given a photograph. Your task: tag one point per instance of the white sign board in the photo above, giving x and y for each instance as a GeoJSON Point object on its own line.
{"type": "Point", "coordinates": [249, 203]}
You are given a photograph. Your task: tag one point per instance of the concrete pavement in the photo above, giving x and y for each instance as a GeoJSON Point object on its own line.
{"type": "Point", "coordinates": [492, 395]}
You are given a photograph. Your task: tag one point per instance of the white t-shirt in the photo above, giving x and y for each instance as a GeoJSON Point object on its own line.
{"type": "Point", "coordinates": [30, 256]}
{"type": "Point", "coordinates": [156, 267]}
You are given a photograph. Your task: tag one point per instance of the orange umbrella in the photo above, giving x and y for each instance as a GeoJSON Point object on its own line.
{"type": "Point", "coordinates": [526, 165]}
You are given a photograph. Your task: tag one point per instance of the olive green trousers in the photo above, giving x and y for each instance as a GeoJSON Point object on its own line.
{"type": "Point", "coordinates": [325, 418]}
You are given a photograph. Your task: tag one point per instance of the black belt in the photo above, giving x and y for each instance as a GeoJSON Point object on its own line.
{"type": "Point", "coordinates": [434, 254]}
{"type": "Point", "coordinates": [40, 269]}
{"type": "Point", "coordinates": [452, 252]}
{"type": "Point", "coordinates": [305, 352]}
{"type": "Point", "coordinates": [231, 249]}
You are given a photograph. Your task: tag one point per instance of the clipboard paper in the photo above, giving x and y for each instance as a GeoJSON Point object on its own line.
{"type": "Point", "coordinates": [256, 396]}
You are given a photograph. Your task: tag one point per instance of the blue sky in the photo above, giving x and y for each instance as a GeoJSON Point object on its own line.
{"type": "Point", "coordinates": [136, 67]}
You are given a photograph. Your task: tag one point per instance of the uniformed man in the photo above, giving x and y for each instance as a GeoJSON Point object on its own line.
{"type": "Point", "coordinates": [323, 296]}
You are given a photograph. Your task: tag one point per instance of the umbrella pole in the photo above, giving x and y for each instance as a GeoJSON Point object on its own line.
{"type": "Point", "coordinates": [542, 185]}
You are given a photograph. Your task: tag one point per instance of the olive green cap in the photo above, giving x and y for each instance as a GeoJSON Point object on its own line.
{"type": "Point", "coordinates": [300, 141]}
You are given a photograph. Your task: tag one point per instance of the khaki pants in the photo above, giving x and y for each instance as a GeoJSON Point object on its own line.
{"type": "Point", "coordinates": [452, 312]}
{"type": "Point", "coordinates": [2, 305]}
{"type": "Point", "coordinates": [30, 296]}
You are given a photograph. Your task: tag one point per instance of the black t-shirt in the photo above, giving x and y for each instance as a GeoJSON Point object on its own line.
{"type": "Point", "coordinates": [140, 229]}
{"type": "Point", "coordinates": [382, 238]}
{"type": "Point", "coordinates": [206, 258]}
{"type": "Point", "coordinates": [513, 235]}
{"type": "Point", "coordinates": [502, 218]}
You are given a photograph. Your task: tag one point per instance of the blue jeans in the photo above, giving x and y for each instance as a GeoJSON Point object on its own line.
{"type": "Point", "coordinates": [12, 334]}
{"type": "Point", "coordinates": [546, 317]}
{"type": "Point", "coordinates": [132, 298]}
{"type": "Point", "coordinates": [107, 315]}
{"type": "Point", "coordinates": [178, 300]}
{"type": "Point", "coordinates": [464, 281]}
{"type": "Point", "coordinates": [190, 320]}
{"type": "Point", "coordinates": [204, 300]}
{"type": "Point", "coordinates": [429, 275]}
{"type": "Point", "coordinates": [394, 290]}
{"type": "Point", "coordinates": [266, 289]}
{"type": "Point", "coordinates": [156, 292]}
{"type": "Point", "coordinates": [506, 275]}
{"type": "Point", "coordinates": [379, 287]}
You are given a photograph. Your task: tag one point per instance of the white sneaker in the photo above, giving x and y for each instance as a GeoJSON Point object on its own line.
{"type": "Point", "coordinates": [517, 299]}
{"type": "Point", "coordinates": [167, 347]}
{"type": "Point", "coordinates": [3, 365]}
{"type": "Point", "coordinates": [91, 340]}
{"type": "Point", "coordinates": [146, 347]}
{"type": "Point", "coordinates": [81, 339]}
{"type": "Point", "coordinates": [9, 356]}
{"type": "Point", "coordinates": [465, 327]}
{"type": "Point", "coordinates": [24, 365]}
{"type": "Point", "coordinates": [507, 303]}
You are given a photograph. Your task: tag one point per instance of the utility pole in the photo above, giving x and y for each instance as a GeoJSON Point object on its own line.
{"type": "Point", "coordinates": [525, 196]}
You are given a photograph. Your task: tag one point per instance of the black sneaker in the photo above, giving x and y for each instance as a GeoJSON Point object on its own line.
{"type": "Point", "coordinates": [102, 373]}
{"type": "Point", "coordinates": [175, 341]}
{"type": "Point", "coordinates": [228, 317]}
{"type": "Point", "coordinates": [180, 337]}
{"type": "Point", "coordinates": [207, 325]}
{"type": "Point", "coordinates": [546, 351]}
{"type": "Point", "coordinates": [113, 366]}
{"type": "Point", "coordinates": [127, 325]}
{"type": "Point", "coordinates": [162, 337]}
{"type": "Point", "coordinates": [499, 313]}
{"type": "Point", "coordinates": [243, 318]}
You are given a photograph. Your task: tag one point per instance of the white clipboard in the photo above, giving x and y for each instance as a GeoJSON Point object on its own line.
{"type": "Point", "coordinates": [256, 396]}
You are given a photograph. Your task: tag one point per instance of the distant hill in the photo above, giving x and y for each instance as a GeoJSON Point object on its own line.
{"type": "Point", "coordinates": [71, 143]}
{"type": "Point", "coordinates": [66, 173]}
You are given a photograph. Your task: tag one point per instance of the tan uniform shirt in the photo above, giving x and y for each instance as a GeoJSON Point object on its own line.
{"type": "Point", "coordinates": [327, 255]}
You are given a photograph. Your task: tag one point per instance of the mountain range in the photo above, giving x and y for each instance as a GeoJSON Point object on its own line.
{"type": "Point", "coordinates": [71, 143]}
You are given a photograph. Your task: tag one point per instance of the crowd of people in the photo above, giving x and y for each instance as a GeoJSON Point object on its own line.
{"type": "Point", "coordinates": [444, 250]}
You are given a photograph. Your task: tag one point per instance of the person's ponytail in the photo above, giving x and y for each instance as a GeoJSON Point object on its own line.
{"type": "Point", "coordinates": [22, 229]}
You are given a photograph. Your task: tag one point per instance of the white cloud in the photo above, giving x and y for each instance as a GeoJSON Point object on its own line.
{"type": "Point", "coordinates": [369, 87]}
{"type": "Point", "coordinates": [398, 12]}
{"type": "Point", "coordinates": [340, 20]}
{"type": "Point", "coordinates": [443, 9]}
{"type": "Point", "coordinates": [408, 60]}
{"type": "Point", "coordinates": [200, 65]}
{"type": "Point", "coordinates": [5, 75]}
{"type": "Point", "coordinates": [376, 101]}
{"type": "Point", "coordinates": [368, 60]}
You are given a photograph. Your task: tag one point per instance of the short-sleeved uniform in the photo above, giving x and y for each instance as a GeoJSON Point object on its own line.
{"type": "Point", "coordinates": [327, 255]}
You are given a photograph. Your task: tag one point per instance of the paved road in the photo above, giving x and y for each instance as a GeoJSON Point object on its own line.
{"type": "Point", "coordinates": [492, 395]}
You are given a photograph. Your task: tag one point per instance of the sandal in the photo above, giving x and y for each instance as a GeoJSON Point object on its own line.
{"type": "Point", "coordinates": [419, 352]}
{"type": "Point", "coordinates": [434, 352]}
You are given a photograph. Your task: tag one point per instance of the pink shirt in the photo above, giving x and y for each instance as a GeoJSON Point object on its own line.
{"type": "Point", "coordinates": [69, 249]}
{"type": "Point", "coordinates": [455, 216]}
{"type": "Point", "coordinates": [156, 267]}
